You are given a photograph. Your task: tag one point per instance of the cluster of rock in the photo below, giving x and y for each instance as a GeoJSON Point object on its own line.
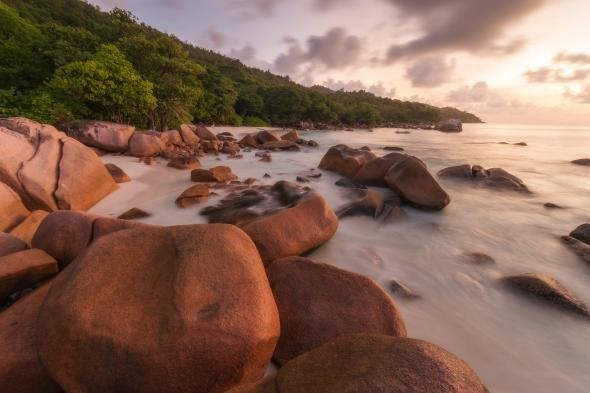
{"type": "Point", "coordinates": [115, 305]}
{"type": "Point", "coordinates": [496, 178]}
{"type": "Point", "coordinates": [42, 169]}
{"type": "Point", "coordinates": [407, 176]}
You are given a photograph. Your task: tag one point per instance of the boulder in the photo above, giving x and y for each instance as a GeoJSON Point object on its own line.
{"type": "Point", "coordinates": [118, 174]}
{"type": "Point", "coordinates": [373, 172]}
{"type": "Point", "coordinates": [280, 145]}
{"type": "Point", "coordinates": [292, 136]}
{"type": "Point", "coordinates": [171, 137]}
{"type": "Point", "coordinates": [218, 174]}
{"type": "Point", "coordinates": [248, 141]}
{"type": "Point", "coordinates": [231, 148]}
{"type": "Point", "coordinates": [21, 370]}
{"type": "Point", "coordinates": [194, 195]}
{"type": "Point", "coordinates": [410, 179]}
{"type": "Point", "coordinates": [184, 163]}
{"type": "Point", "coordinates": [582, 161]}
{"type": "Point", "coordinates": [198, 294]}
{"type": "Point", "coordinates": [66, 234]}
{"type": "Point", "coordinates": [293, 231]}
{"type": "Point", "coordinates": [83, 178]}
{"type": "Point", "coordinates": [548, 289]}
{"type": "Point", "coordinates": [188, 134]}
{"type": "Point", "coordinates": [104, 135]}
{"type": "Point", "coordinates": [310, 296]}
{"type": "Point", "coordinates": [145, 144]}
{"type": "Point", "coordinates": [450, 125]}
{"type": "Point", "coordinates": [373, 363]}
{"type": "Point", "coordinates": [30, 128]}
{"type": "Point", "coordinates": [372, 205]}
{"type": "Point", "coordinates": [345, 160]}
{"type": "Point", "coordinates": [579, 247]}
{"type": "Point", "coordinates": [496, 178]}
{"type": "Point", "coordinates": [15, 148]}
{"type": "Point", "coordinates": [264, 136]}
{"type": "Point", "coordinates": [134, 214]}
{"type": "Point", "coordinates": [10, 244]}
{"type": "Point", "coordinates": [204, 133]}
{"type": "Point", "coordinates": [12, 210]}
{"type": "Point", "coordinates": [24, 269]}
{"type": "Point", "coordinates": [582, 233]}
{"type": "Point", "coordinates": [26, 229]}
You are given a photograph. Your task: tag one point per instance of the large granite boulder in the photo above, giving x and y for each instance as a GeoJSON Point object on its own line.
{"type": "Point", "coordinates": [410, 179]}
{"type": "Point", "coordinates": [345, 160]}
{"type": "Point", "coordinates": [204, 133]}
{"type": "Point", "coordinates": [495, 178]}
{"type": "Point", "coordinates": [373, 172]}
{"type": "Point", "coordinates": [66, 234]}
{"type": "Point", "coordinates": [548, 289]}
{"type": "Point", "coordinates": [305, 225]}
{"type": "Point", "coordinates": [49, 170]}
{"type": "Point", "coordinates": [373, 363]}
{"type": "Point", "coordinates": [21, 370]}
{"type": "Point", "coordinates": [10, 244]}
{"type": "Point", "coordinates": [24, 269]}
{"type": "Point", "coordinates": [145, 144]}
{"type": "Point", "coordinates": [104, 135]}
{"type": "Point", "coordinates": [450, 125]}
{"type": "Point", "coordinates": [187, 133]}
{"type": "Point", "coordinates": [319, 303]}
{"type": "Point", "coordinates": [151, 309]}
{"type": "Point", "coordinates": [265, 136]}
{"type": "Point", "coordinates": [12, 210]}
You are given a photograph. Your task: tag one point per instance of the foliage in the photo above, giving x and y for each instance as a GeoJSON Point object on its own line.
{"type": "Point", "coordinates": [63, 59]}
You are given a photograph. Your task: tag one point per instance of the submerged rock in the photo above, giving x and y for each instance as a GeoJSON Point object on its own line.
{"type": "Point", "coordinates": [577, 246]}
{"type": "Point", "coordinates": [371, 205]}
{"type": "Point", "coordinates": [20, 368]}
{"type": "Point", "coordinates": [199, 294]}
{"type": "Point", "coordinates": [582, 161]}
{"type": "Point", "coordinates": [309, 297]}
{"type": "Point", "coordinates": [119, 176]}
{"type": "Point", "coordinates": [493, 178]}
{"type": "Point", "coordinates": [547, 288]}
{"type": "Point", "coordinates": [478, 258]}
{"type": "Point", "coordinates": [402, 290]}
{"type": "Point", "coordinates": [410, 179]}
{"type": "Point", "coordinates": [373, 363]}
{"type": "Point", "coordinates": [550, 205]}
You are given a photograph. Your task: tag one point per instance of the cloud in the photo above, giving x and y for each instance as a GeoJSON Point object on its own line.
{"type": "Point", "coordinates": [471, 25]}
{"type": "Point", "coordinates": [557, 72]}
{"type": "Point", "coordinates": [431, 72]}
{"type": "Point", "coordinates": [480, 96]}
{"type": "Point", "coordinates": [582, 96]}
{"type": "Point", "coordinates": [263, 8]}
{"type": "Point", "coordinates": [356, 85]}
{"type": "Point", "coordinates": [247, 55]}
{"type": "Point", "coordinates": [575, 58]}
{"type": "Point", "coordinates": [334, 50]}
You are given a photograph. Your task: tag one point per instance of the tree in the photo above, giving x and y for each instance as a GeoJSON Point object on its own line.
{"type": "Point", "coordinates": [177, 87]}
{"type": "Point", "coordinates": [285, 106]}
{"type": "Point", "coordinates": [217, 104]}
{"type": "Point", "coordinates": [106, 86]}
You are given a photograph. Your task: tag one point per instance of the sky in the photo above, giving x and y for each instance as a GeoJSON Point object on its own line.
{"type": "Point", "coordinates": [509, 61]}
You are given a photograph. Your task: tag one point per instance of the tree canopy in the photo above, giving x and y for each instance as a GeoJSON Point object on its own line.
{"type": "Point", "coordinates": [66, 59]}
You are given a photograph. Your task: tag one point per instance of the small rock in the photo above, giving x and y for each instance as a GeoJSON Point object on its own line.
{"type": "Point", "coordinates": [478, 258]}
{"type": "Point", "coordinates": [582, 233]}
{"type": "Point", "coordinates": [184, 163]}
{"type": "Point", "coordinates": [582, 161]}
{"type": "Point", "coordinates": [521, 144]}
{"type": "Point", "coordinates": [194, 195]}
{"type": "Point", "coordinates": [547, 288]}
{"type": "Point", "coordinates": [292, 136]}
{"type": "Point", "coordinates": [280, 145]}
{"type": "Point", "coordinates": [393, 148]}
{"type": "Point", "coordinates": [218, 174]}
{"type": "Point", "coordinates": [579, 247]}
{"type": "Point", "coordinates": [550, 205]}
{"type": "Point", "coordinates": [370, 205]}
{"type": "Point", "coordinates": [403, 132]}
{"type": "Point", "coordinates": [134, 214]}
{"type": "Point", "coordinates": [266, 176]}
{"type": "Point", "coordinates": [119, 176]}
{"type": "Point", "coordinates": [302, 179]}
{"type": "Point", "coordinates": [397, 288]}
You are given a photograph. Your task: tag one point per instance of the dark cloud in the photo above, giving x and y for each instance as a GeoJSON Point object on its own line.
{"type": "Point", "coordinates": [473, 25]}
{"type": "Point", "coordinates": [355, 85]}
{"type": "Point", "coordinates": [582, 96]}
{"type": "Point", "coordinates": [574, 58]}
{"type": "Point", "coordinates": [431, 72]}
{"type": "Point", "coordinates": [334, 50]}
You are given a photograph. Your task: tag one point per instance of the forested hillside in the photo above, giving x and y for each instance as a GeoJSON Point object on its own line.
{"type": "Point", "coordinates": [65, 59]}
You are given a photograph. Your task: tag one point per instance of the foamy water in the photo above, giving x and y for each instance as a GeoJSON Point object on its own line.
{"type": "Point", "coordinates": [514, 343]}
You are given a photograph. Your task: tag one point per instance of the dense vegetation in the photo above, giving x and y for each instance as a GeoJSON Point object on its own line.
{"type": "Point", "coordinates": [65, 59]}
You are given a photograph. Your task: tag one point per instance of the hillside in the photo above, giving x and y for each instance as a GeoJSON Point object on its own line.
{"type": "Point", "coordinates": [65, 59]}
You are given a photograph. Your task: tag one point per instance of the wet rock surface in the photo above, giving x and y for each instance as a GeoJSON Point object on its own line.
{"type": "Point", "coordinates": [193, 196]}
{"type": "Point", "coordinates": [119, 176]}
{"type": "Point", "coordinates": [309, 298]}
{"type": "Point", "coordinates": [582, 233]}
{"type": "Point", "coordinates": [402, 291]}
{"type": "Point", "coordinates": [134, 214]}
{"type": "Point", "coordinates": [495, 178]}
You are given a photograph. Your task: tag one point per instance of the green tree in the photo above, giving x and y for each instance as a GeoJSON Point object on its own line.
{"type": "Point", "coordinates": [106, 86]}
{"type": "Point", "coordinates": [217, 104]}
{"type": "Point", "coordinates": [286, 105]}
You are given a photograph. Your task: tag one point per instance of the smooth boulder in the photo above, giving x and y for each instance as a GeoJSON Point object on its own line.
{"type": "Point", "coordinates": [548, 289]}
{"type": "Point", "coordinates": [24, 269]}
{"type": "Point", "coordinates": [118, 174]}
{"type": "Point", "coordinates": [145, 144]}
{"type": "Point", "coordinates": [198, 295]}
{"type": "Point", "coordinates": [345, 160]}
{"type": "Point", "coordinates": [21, 370]}
{"type": "Point", "coordinates": [496, 178]}
{"type": "Point", "coordinates": [373, 172]}
{"type": "Point", "coordinates": [293, 231]}
{"type": "Point", "coordinates": [27, 229]}
{"type": "Point", "coordinates": [104, 135]}
{"type": "Point", "coordinates": [410, 179]}
{"type": "Point", "coordinates": [373, 363]}
{"type": "Point", "coordinates": [319, 303]}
